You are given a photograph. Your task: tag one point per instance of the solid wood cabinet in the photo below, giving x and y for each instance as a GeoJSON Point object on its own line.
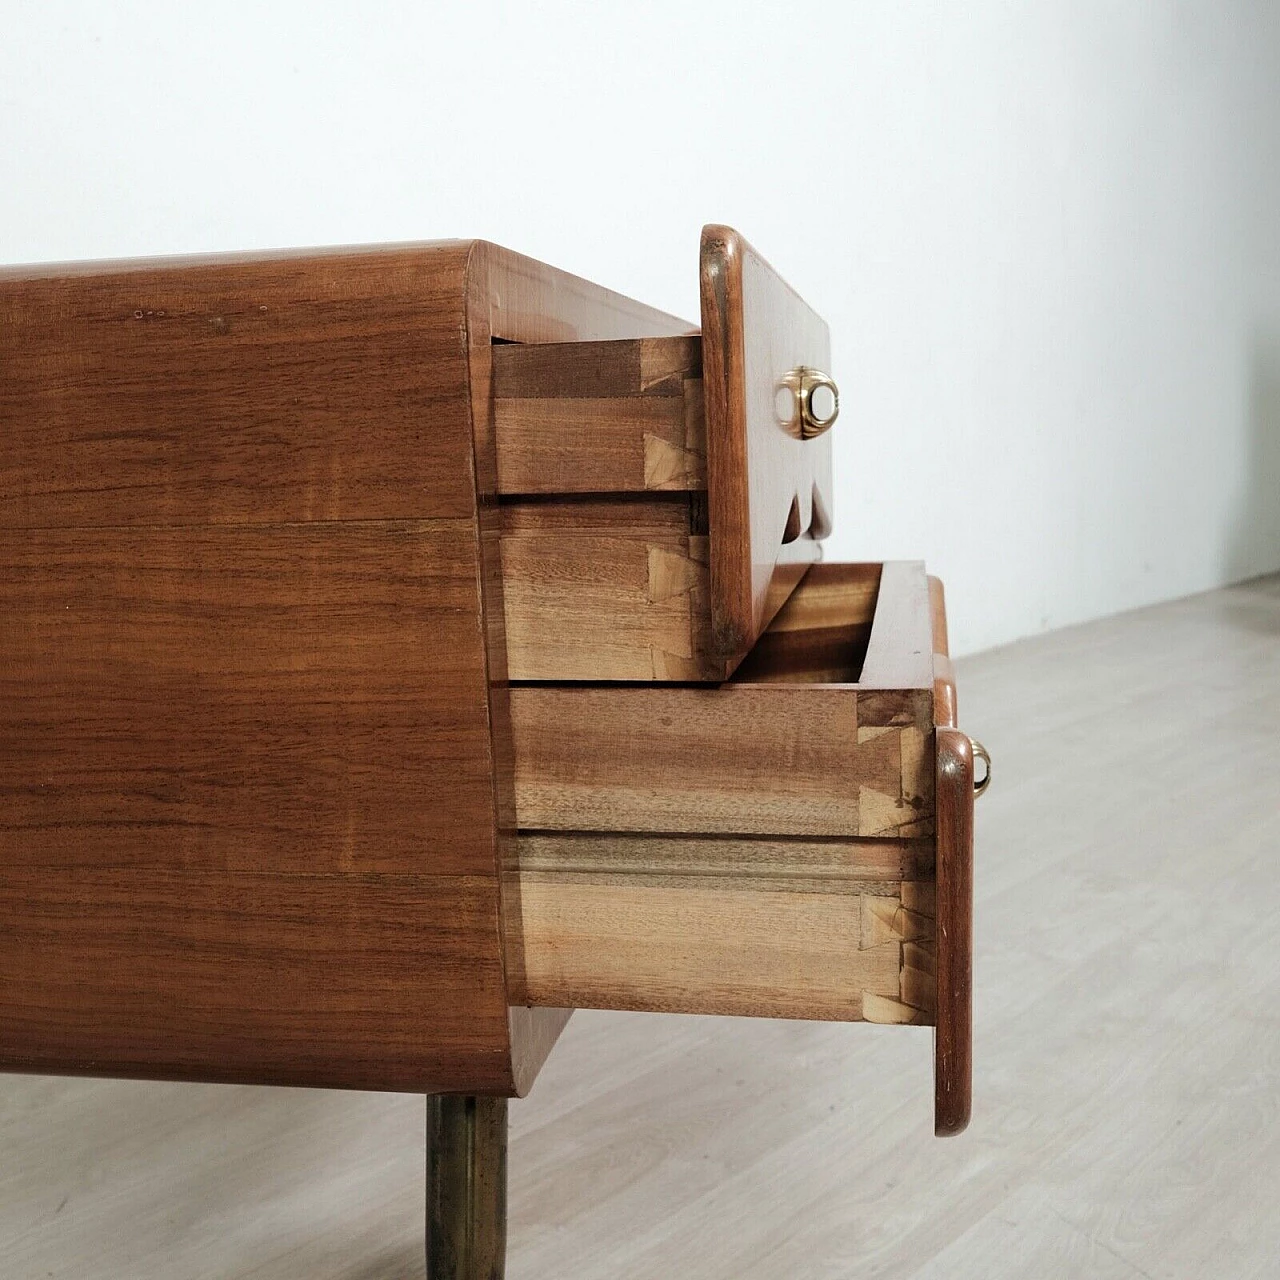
{"type": "Point", "coordinates": [406, 645]}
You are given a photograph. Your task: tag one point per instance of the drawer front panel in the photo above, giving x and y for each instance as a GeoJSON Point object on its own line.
{"type": "Point", "coordinates": [625, 424]}
{"type": "Point", "coordinates": [769, 494]}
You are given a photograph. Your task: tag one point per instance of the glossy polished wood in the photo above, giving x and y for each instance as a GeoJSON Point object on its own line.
{"type": "Point", "coordinates": [953, 947]}
{"type": "Point", "coordinates": [953, 1042]}
{"type": "Point", "coordinates": [229, 699]}
{"type": "Point", "coordinates": [240, 554]}
{"type": "Point", "coordinates": [945, 708]}
{"type": "Point", "coordinates": [264, 769]}
{"type": "Point", "coordinates": [644, 417]}
{"type": "Point", "coordinates": [239, 389]}
{"type": "Point", "coordinates": [769, 495]}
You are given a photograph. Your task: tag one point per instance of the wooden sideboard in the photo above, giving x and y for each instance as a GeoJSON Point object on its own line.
{"type": "Point", "coordinates": [404, 646]}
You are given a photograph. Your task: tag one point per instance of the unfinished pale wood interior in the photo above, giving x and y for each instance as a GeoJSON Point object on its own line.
{"type": "Point", "coordinates": [764, 846]}
{"type": "Point", "coordinates": [598, 589]}
{"type": "Point", "coordinates": [601, 451]}
{"type": "Point", "coordinates": [600, 417]}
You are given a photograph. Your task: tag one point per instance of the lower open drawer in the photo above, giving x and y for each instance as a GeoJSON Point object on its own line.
{"type": "Point", "coordinates": [795, 842]}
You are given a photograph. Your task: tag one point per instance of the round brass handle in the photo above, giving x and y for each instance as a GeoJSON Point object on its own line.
{"type": "Point", "coordinates": [980, 753]}
{"type": "Point", "coordinates": [808, 403]}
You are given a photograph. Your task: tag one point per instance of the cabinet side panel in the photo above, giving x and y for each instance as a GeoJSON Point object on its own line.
{"type": "Point", "coordinates": [245, 752]}
{"type": "Point", "coordinates": [295, 388]}
{"type": "Point", "coordinates": [364, 982]}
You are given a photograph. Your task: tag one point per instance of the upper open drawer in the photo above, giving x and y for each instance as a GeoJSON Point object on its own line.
{"type": "Point", "coordinates": [679, 487]}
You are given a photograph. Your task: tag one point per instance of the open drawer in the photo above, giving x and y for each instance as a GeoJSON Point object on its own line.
{"type": "Point", "coordinates": [661, 497]}
{"type": "Point", "coordinates": [796, 842]}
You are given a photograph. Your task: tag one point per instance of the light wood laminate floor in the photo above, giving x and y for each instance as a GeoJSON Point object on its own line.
{"type": "Point", "coordinates": [1127, 1079]}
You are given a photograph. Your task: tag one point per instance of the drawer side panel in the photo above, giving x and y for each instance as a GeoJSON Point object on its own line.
{"type": "Point", "coordinates": [766, 928]}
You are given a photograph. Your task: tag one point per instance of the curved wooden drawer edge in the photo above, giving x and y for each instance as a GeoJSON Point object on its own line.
{"type": "Point", "coordinates": [953, 1035]}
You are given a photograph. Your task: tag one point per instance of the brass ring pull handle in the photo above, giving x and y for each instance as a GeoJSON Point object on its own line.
{"type": "Point", "coordinates": [808, 403]}
{"type": "Point", "coordinates": [980, 753]}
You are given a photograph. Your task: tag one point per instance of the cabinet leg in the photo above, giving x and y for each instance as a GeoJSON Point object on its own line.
{"type": "Point", "coordinates": [466, 1188]}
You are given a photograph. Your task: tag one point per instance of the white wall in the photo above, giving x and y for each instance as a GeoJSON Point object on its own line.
{"type": "Point", "coordinates": [1045, 233]}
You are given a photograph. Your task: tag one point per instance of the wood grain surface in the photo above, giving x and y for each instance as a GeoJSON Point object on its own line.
{"type": "Point", "coordinates": [606, 586]}
{"type": "Point", "coordinates": [945, 704]}
{"type": "Point", "coordinates": [239, 606]}
{"type": "Point", "coordinates": [244, 698]}
{"type": "Point", "coordinates": [256, 704]}
{"type": "Point", "coordinates": [599, 417]}
{"type": "Point", "coordinates": [235, 390]}
{"type": "Point", "coordinates": [765, 927]}
{"type": "Point", "coordinates": [264, 978]}
{"type": "Point", "coordinates": [953, 949]}
{"type": "Point", "coordinates": [704, 948]}
{"type": "Point", "coordinates": [769, 495]}
{"type": "Point", "coordinates": [606, 590]}
{"type": "Point", "coordinates": [254, 746]}
{"type": "Point", "coordinates": [837, 759]}
{"type": "Point", "coordinates": [953, 1044]}
{"type": "Point", "coordinates": [900, 647]}
{"type": "Point", "coordinates": [821, 634]}
{"type": "Point", "coordinates": [766, 759]}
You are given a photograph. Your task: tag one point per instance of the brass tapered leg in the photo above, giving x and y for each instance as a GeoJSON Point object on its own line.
{"type": "Point", "coordinates": [466, 1188]}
